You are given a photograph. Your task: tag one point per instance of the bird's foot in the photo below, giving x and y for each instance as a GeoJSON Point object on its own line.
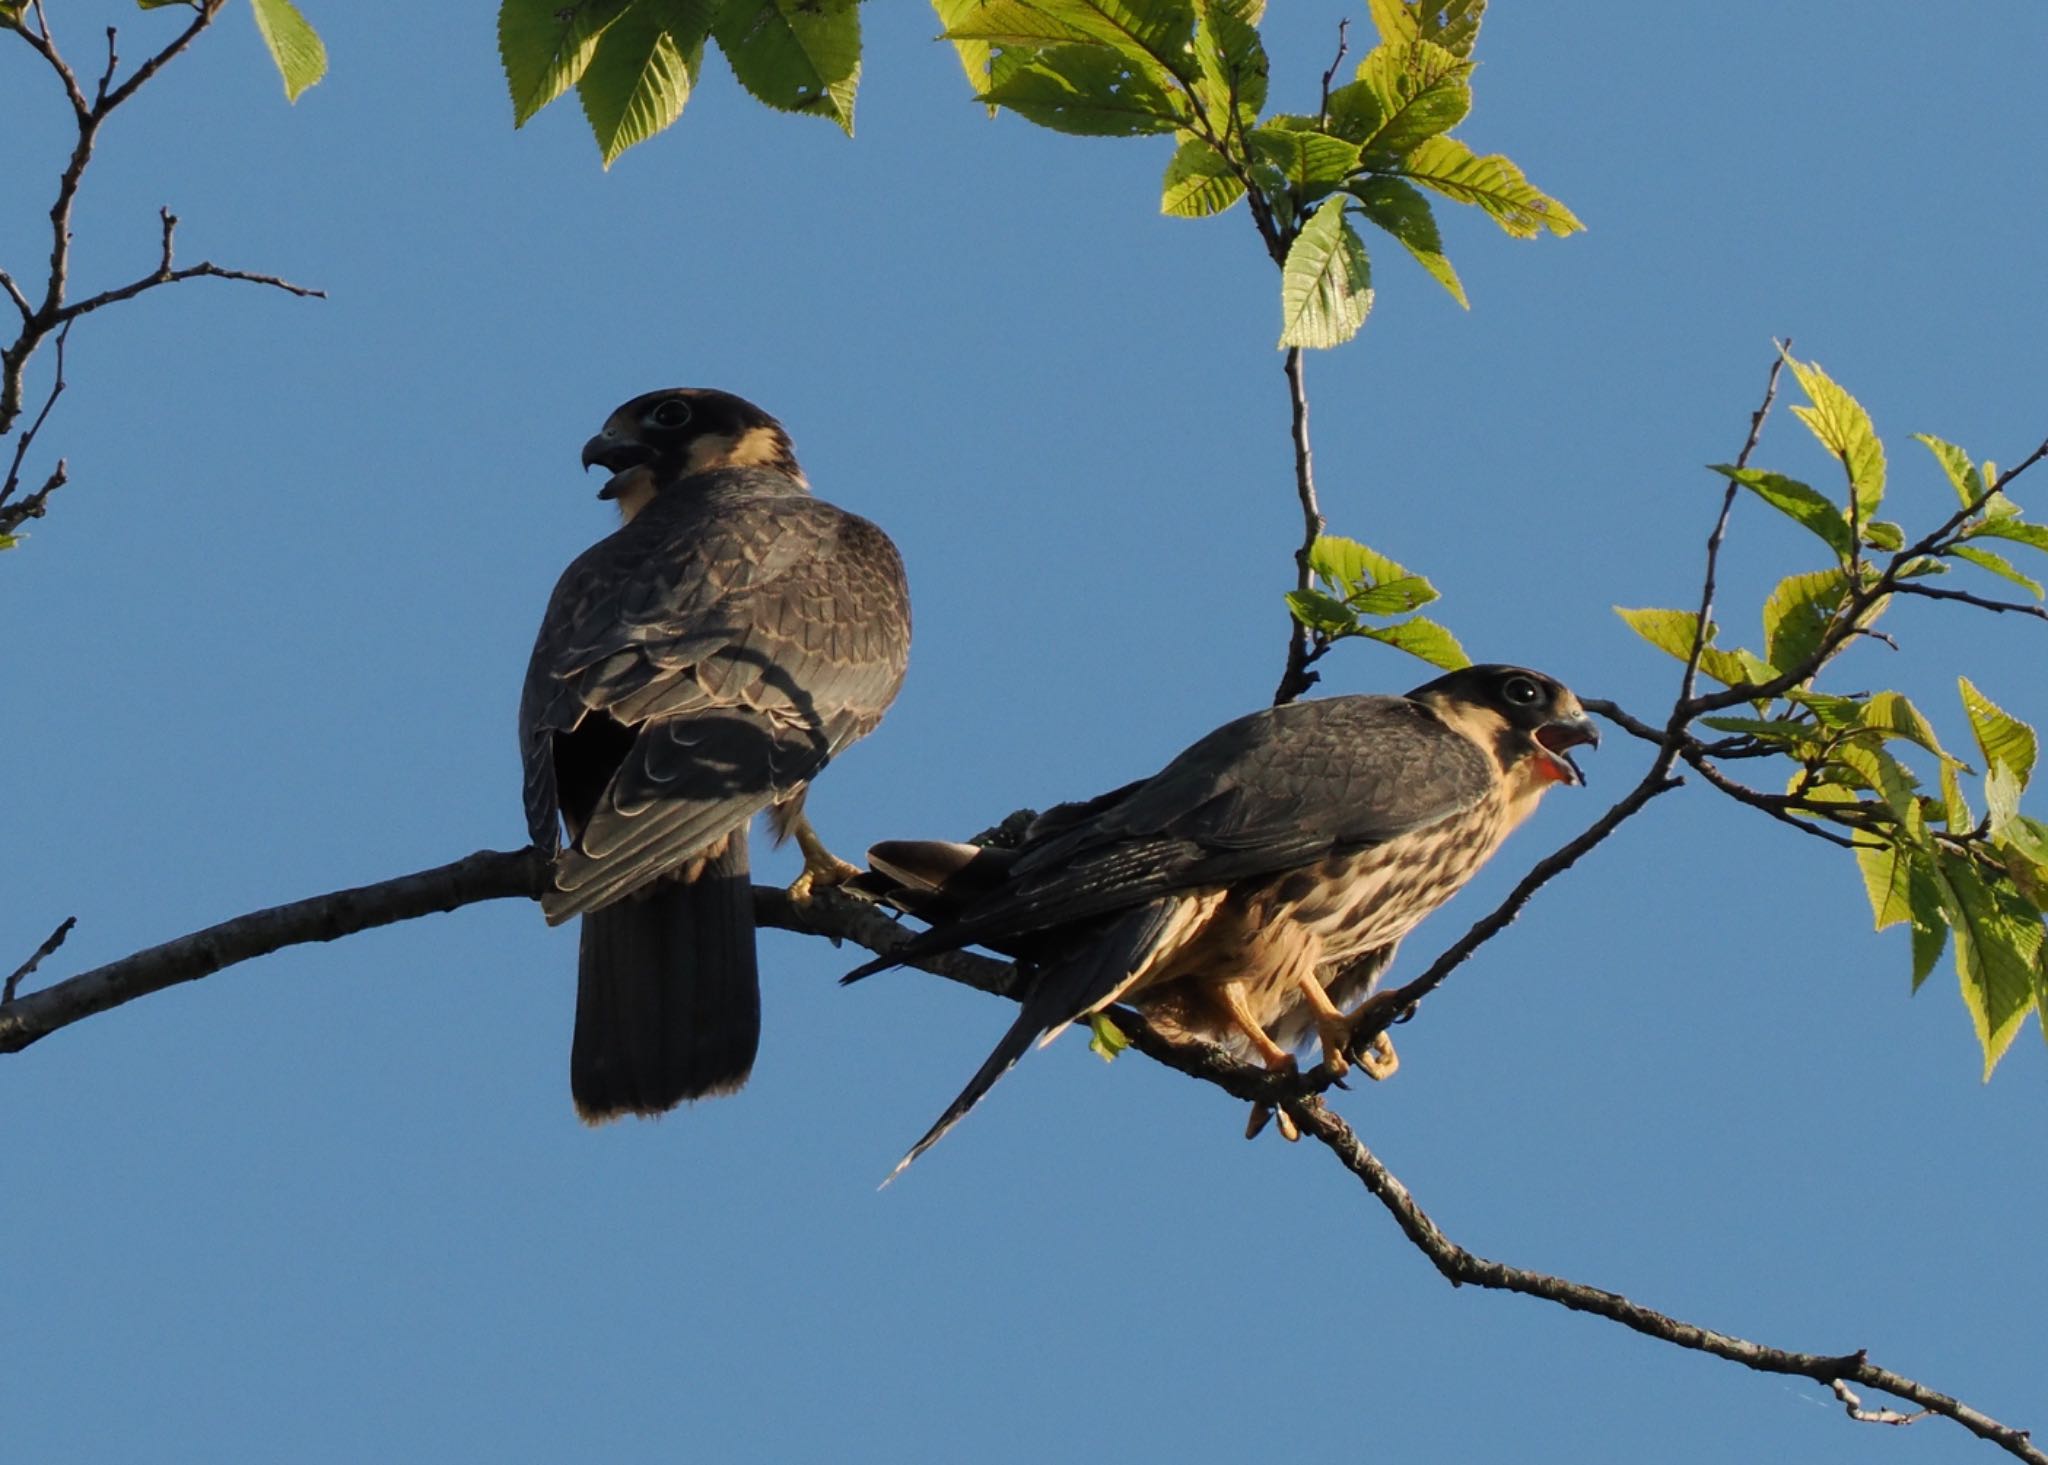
{"type": "Point", "coordinates": [823, 870]}
{"type": "Point", "coordinates": [1336, 1037]}
{"type": "Point", "coordinates": [1378, 1058]}
{"type": "Point", "coordinates": [1262, 1114]}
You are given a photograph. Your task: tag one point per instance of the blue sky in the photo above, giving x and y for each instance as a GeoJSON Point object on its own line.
{"type": "Point", "coordinates": [334, 1205]}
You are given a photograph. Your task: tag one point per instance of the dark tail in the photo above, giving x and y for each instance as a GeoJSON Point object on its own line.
{"type": "Point", "coordinates": [1014, 1045]}
{"type": "Point", "coordinates": [668, 999]}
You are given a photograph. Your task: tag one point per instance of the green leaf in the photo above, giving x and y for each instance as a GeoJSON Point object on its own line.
{"type": "Point", "coordinates": [1312, 163]}
{"type": "Point", "coordinates": [1800, 739]}
{"type": "Point", "coordinates": [1421, 637]}
{"type": "Point", "coordinates": [1998, 565]}
{"type": "Point", "coordinates": [795, 55]}
{"type": "Point", "coordinates": [294, 45]}
{"type": "Point", "coordinates": [1955, 808]}
{"type": "Point", "coordinates": [1418, 90]}
{"type": "Point", "coordinates": [2035, 536]}
{"type": "Point", "coordinates": [1399, 208]}
{"type": "Point", "coordinates": [1326, 284]}
{"type": "Point", "coordinates": [1087, 90]}
{"type": "Point", "coordinates": [1452, 24]}
{"type": "Point", "coordinates": [1321, 613]}
{"type": "Point", "coordinates": [1106, 1039]}
{"type": "Point", "coordinates": [642, 74]}
{"type": "Point", "coordinates": [1998, 950]}
{"type": "Point", "coordinates": [1231, 66]}
{"type": "Point", "coordinates": [1198, 182]}
{"type": "Point", "coordinates": [976, 56]}
{"type": "Point", "coordinates": [1155, 34]}
{"type": "Point", "coordinates": [1393, 597]}
{"type": "Point", "coordinates": [1492, 182]}
{"type": "Point", "coordinates": [1791, 497]}
{"type": "Point", "coordinates": [2001, 737]}
{"type": "Point", "coordinates": [1883, 774]}
{"type": "Point", "coordinates": [1883, 534]}
{"type": "Point", "coordinates": [1672, 631]}
{"type": "Point", "coordinates": [9, 541]}
{"type": "Point", "coordinates": [546, 44]}
{"type": "Point", "coordinates": [1892, 716]}
{"type": "Point", "coordinates": [1962, 473]}
{"type": "Point", "coordinates": [1888, 881]}
{"type": "Point", "coordinates": [1797, 615]}
{"type": "Point", "coordinates": [1844, 429]}
{"type": "Point", "coordinates": [10, 19]}
{"type": "Point", "coordinates": [1348, 564]}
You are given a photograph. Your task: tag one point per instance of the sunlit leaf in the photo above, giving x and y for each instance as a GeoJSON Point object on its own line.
{"type": "Point", "coordinates": [1998, 565]}
{"type": "Point", "coordinates": [1312, 163]}
{"type": "Point", "coordinates": [1797, 615]}
{"type": "Point", "coordinates": [293, 44]}
{"type": "Point", "coordinates": [1422, 637]}
{"type": "Point", "coordinates": [1844, 429]}
{"type": "Point", "coordinates": [2001, 737]}
{"type": "Point", "coordinates": [795, 55]}
{"type": "Point", "coordinates": [1452, 24]}
{"type": "Point", "coordinates": [1418, 89]}
{"type": "Point", "coordinates": [1399, 208]}
{"type": "Point", "coordinates": [1320, 612]}
{"type": "Point", "coordinates": [545, 46]}
{"type": "Point", "coordinates": [2018, 531]}
{"type": "Point", "coordinates": [1198, 182]}
{"type": "Point", "coordinates": [1890, 714]}
{"type": "Point", "coordinates": [1962, 473]}
{"type": "Point", "coordinates": [1798, 501]}
{"type": "Point", "coordinates": [1231, 66]}
{"type": "Point", "coordinates": [1091, 91]}
{"type": "Point", "coordinates": [1998, 950]}
{"type": "Point", "coordinates": [1326, 284]}
{"type": "Point", "coordinates": [643, 71]}
{"type": "Point", "coordinates": [1492, 182]}
{"type": "Point", "coordinates": [1882, 773]}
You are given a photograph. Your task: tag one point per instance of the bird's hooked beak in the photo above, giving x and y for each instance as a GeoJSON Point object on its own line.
{"type": "Point", "coordinates": [615, 453]}
{"type": "Point", "coordinates": [1559, 736]}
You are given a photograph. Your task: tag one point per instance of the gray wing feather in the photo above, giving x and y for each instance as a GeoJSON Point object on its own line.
{"type": "Point", "coordinates": [741, 635]}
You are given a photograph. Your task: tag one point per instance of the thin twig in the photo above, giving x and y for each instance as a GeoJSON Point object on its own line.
{"type": "Point", "coordinates": [1853, 1405]}
{"type": "Point", "coordinates": [1343, 30]}
{"type": "Point", "coordinates": [32, 507]}
{"type": "Point", "coordinates": [1459, 1266]}
{"type": "Point", "coordinates": [1932, 592]}
{"type": "Point", "coordinates": [50, 944]}
{"type": "Point", "coordinates": [1297, 678]}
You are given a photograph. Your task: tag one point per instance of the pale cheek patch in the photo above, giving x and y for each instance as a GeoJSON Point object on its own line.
{"type": "Point", "coordinates": [632, 490]}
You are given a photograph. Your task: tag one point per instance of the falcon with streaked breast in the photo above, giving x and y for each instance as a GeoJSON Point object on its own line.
{"type": "Point", "coordinates": [1261, 880]}
{"type": "Point", "coordinates": [700, 665]}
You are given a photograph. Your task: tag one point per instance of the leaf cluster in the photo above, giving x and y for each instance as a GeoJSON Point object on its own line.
{"type": "Point", "coordinates": [634, 63]}
{"type": "Point", "coordinates": [1928, 859]}
{"type": "Point", "coordinates": [1356, 586]}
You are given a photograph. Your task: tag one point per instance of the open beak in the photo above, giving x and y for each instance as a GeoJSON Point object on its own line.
{"type": "Point", "coordinates": [615, 455]}
{"type": "Point", "coordinates": [1558, 738]}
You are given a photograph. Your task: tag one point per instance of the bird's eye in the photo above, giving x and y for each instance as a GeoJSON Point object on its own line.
{"type": "Point", "coordinates": [672, 413]}
{"type": "Point", "coordinates": [1521, 692]}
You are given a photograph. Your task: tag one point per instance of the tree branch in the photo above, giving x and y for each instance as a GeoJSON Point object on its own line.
{"type": "Point", "coordinates": [50, 943]}
{"type": "Point", "coordinates": [1297, 678]}
{"type": "Point", "coordinates": [1932, 592]}
{"type": "Point", "coordinates": [1460, 1266]}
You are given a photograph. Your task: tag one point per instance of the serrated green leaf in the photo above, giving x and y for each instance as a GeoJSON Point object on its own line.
{"type": "Point", "coordinates": [1888, 881]}
{"type": "Point", "coordinates": [976, 56]}
{"type": "Point", "coordinates": [293, 45]}
{"type": "Point", "coordinates": [1322, 613]}
{"type": "Point", "coordinates": [1198, 182]}
{"type": "Point", "coordinates": [1157, 35]}
{"type": "Point", "coordinates": [1885, 535]}
{"type": "Point", "coordinates": [1419, 90]}
{"type": "Point", "coordinates": [1086, 90]}
{"type": "Point", "coordinates": [643, 71]}
{"type": "Point", "coordinates": [1801, 739]}
{"type": "Point", "coordinates": [1452, 24]}
{"type": "Point", "coordinates": [1955, 806]}
{"type": "Point", "coordinates": [1231, 67]}
{"type": "Point", "coordinates": [1962, 473]}
{"type": "Point", "coordinates": [1890, 715]}
{"type": "Point", "coordinates": [1998, 951]}
{"type": "Point", "coordinates": [795, 55]}
{"type": "Point", "coordinates": [2034, 536]}
{"type": "Point", "coordinates": [1998, 565]}
{"type": "Point", "coordinates": [1393, 597]}
{"type": "Point", "coordinates": [1422, 637]}
{"type": "Point", "coordinates": [1796, 500]}
{"type": "Point", "coordinates": [1326, 284]}
{"type": "Point", "coordinates": [1399, 208]}
{"type": "Point", "coordinates": [1844, 429]}
{"type": "Point", "coordinates": [1492, 182]}
{"type": "Point", "coordinates": [1797, 615]}
{"type": "Point", "coordinates": [545, 46]}
{"type": "Point", "coordinates": [1930, 926]}
{"type": "Point", "coordinates": [1348, 564]}
{"type": "Point", "coordinates": [2001, 737]}
{"type": "Point", "coordinates": [1311, 163]}
{"type": "Point", "coordinates": [1672, 632]}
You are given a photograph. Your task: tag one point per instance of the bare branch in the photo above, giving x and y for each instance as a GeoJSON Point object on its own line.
{"type": "Point", "coordinates": [1714, 539]}
{"type": "Point", "coordinates": [1460, 1266]}
{"type": "Point", "coordinates": [1297, 678]}
{"type": "Point", "coordinates": [14, 293]}
{"type": "Point", "coordinates": [1343, 30]}
{"type": "Point", "coordinates": [50, 943]}
{"type": "Point", "coordinates": [32, 507]}
{"type": "Point", "coordinates": [1853, 1405]}
{"type": "Point", "coordinates": [165, 275]}
{"type": "Point", "coordinates": [1932, 592]}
